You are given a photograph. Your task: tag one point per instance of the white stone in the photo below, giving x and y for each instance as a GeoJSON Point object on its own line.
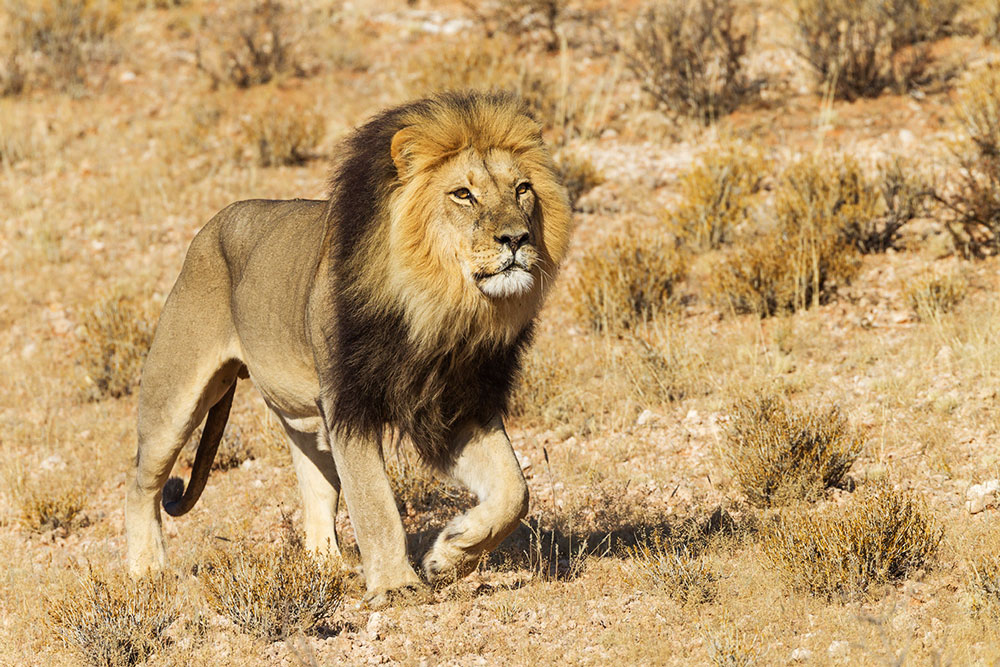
{"type": "Point", "coordinates": [981, 496]}
{"type": "Point", "coordinates": [53, 462]}
{"type": "Point", "coordinates": [378, 625]}
{"type": "Point", "coordinates": [645, 417]}
{"type": "Point", "coordinates": [801, 655]}
{"type": "Point", "coordinates": [838, 649]}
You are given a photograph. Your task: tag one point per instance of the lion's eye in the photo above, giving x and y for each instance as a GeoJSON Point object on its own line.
{"type": "Point", "coordinates": [462, 193]}
{"type": "Point", "coordinates": [522, 188]}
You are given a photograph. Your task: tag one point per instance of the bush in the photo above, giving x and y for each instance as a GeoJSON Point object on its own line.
{"type": "Point", "coordinates": [690, 56]}
{"type": "Point", "coordinates": [904, 197]}
{"type": "Point", "coordinates": [843, 553]}
{"type": "Point", "coordinates": [578, 174]}
{"type": "Point", "coordinates": [779, 454]}
{"type": "Point", "coordinates": [63, 37]}
{"type": "Point", "coordinates": [272, 591]}
{"type": "Point", "coordinates": [18, 140]}
{"type": "Point", "coordinates": [47, 507]}
{"type": "Point", "coordinates": [858, 48]}
{"type": "Point", "coordinates": [932, 295]}
{"type": "Point", "coordinates": [975, 204]}
{"type": "Point", "coordinates": [111, 620]}
{"type": "Point", "coordinates": [716, 195]}
{"type": "Point", "coordinates": [284, 135]}
{"type": "Point", "coordinates": [626, 281]}
{"type": "Point", "coordinates": [520, 18]}
{"type": "Point", "coordinates": [254, 44]}
{"type": "Point", "coordinates": [984, 587]}
{"type": "Point", "coordinates": [659, 564]}
{"type": "Point", "coordinates": [116, 334]}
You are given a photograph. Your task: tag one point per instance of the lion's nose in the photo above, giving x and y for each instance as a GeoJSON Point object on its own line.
{"type": "Point", "coordinates": [513, 240]}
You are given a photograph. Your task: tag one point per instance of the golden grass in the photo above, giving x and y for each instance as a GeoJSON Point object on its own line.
{"type": "Point", "coordinates": [933, 294]}
{"type": "Point", "coordinates": [283, 134]}
{"type": "Point", "coordinates": [717, 195]}
{"type": "Point", "coordinates": [844, 553]}
{"type": "Point", "coordinates": [116, 334]}
{"type": "Point", "coordinates": [627, 281]}
{"type": "Point", "coordinates": [984, 587]}
{"type": "Point", "coordinates": [272, 591]}
{"type": "Point", "coordinates": [110, 620]}
{"type": "Point", "coordinates": [779, 453]}
{"type": "Point", "coordinates": [45, 507]}
{"type": "Point", "coordinates": [578, 174]}
{"type": "Point", "coordinates": [657, 563]}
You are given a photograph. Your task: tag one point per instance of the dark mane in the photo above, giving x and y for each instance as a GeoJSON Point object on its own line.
{"type": "Point", "coordinates": [378, 378]}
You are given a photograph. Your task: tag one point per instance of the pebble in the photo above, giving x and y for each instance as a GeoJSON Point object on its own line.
{"type": "Point", "coordinates": [645, 417]}
{"type": "Point", "coordinates": [981, 496]}
{"type": "Point", "coordinates": [801, 655]}
{"type": "Point", "coordinates": [838, 649]}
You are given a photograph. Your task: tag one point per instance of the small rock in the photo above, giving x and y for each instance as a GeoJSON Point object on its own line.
{"type": "Point", "coordinates": [801, 655]}
{"type": "Point", "coordinates": [981, 496]}
{"type": "Point", "coordinates": [54, 462]}
{"type": "Point", "coordinates": [645, 417]}
{"type": "Point", "coordinates": [838, 649]}
{"type": "Point", "coordinates": [378, 625]}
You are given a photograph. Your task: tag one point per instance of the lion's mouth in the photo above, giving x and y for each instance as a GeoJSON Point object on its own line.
{"type": "Point", "coordinates": [512, 279]}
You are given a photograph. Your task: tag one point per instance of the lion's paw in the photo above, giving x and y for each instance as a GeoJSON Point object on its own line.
{"type": "Point", "coordinates": [410, 594]}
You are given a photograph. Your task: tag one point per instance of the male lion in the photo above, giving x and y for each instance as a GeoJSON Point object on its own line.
{"type": "Point", "coordinates": [402, 303]}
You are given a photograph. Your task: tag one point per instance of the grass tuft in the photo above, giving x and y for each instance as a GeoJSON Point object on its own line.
{"type": "Point", "coordinates": [116, 334]}
{"type": "Point", "coordinates": [284, 135]}
{"type": "Point", "coordinates": [690, 57]}
{"type": "Point", "coordinates": [273, 591]}
{"type": "Point", "coordinates": [627, 281]}
{"type": "Point", "coordinates": [661, 564]}
{"type": "Point", "coordinates": [47, 509]}
{"type": "Point", "coordinates": [844, 553]}
{"type": "Point", "coordinates": [578, 174]}
{"type": "Point", "coordinates": [779, 454]}
{"type": "Point", "coordinates": [984, 587]}
{"type": "Point", "coordinates": [728, 646]}
{"type": "Point", "coordinates": [110, 620]}
{"type": "Point", "coordinates": [934, 294]}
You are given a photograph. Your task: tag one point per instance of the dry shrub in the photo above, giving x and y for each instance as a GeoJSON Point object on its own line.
{"type": "Point", "coordinates": [822, 211]}
{"type": "Point", "coordinates": [46, 507]}
{"type": "Point", "coordinates": [626, 281]}
{"type": "Point", "coordinates": [54, 42]}
{"type": "Point", "coordinates": [272, 591]}
{"type": "Point", "coordinates": [252, 45]}
{"type": "Point", "coordinates": [111, 620]}
{"type": "Point", "coordinates": [729, 646]}
{"type": "Point", "coordinates": [690, 56]}
{"type": "Point", "coordinates": [529, 20]}
{"type": "Point", "coordinates": [659, 563]}
{"type": "Point", "coordinates": [662, 364]}
{"type": "Point", "coordinates": [778, 453]}
{"type": "Point", "coordinates": [934, 294]}
{"type": "Point", "coordinates": [494, 63]}
{"type": "Point", "coordinates": [845, 552]}
{"type": "Point", "coordinates": [984, 587]}
{"type": "Point", "coordinates": [858, 48]}
{"type": "Point", "coordinates": [284, 135]}
{"type": "Point", "coordinates": [116, 334]}
{"type": "Point", "coordinates": [904, 197]}
{"type": "Point", "coordinates": [578, 174]}
{"type": "Point", "coordinates": [18, 140]}
{"type": "Point", "coordinates": [975, 203]}
{"type": "Point", "coordinates": [717, 194]}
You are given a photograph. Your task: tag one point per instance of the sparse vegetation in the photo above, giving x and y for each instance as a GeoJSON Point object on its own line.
{"type": "Point", "coordinates": [779, 453]}
{"type": "Point", "coordinates": [626, 281]}
{"type": "Point", "coordinates": [683, 575]}
{"type": "Point", "coordinates": [934, 294]}
{"type": "Point", "coordinates": [45, 506]}
{"type": "Point", "coordinates": [116, 334]}
{"type": "Point", "coordinates": [717, 194]}
{"type": "Point", "coordinates": [861, 48]}
{"type": "Point", "coordinates": [112, 621]}
{"type": "Point", "coordinates": [975, 204]}
{"type": "Point", "coordinates": [690, 57]}
{"type": "Point", "coordinates": [729, 646]}
{"type": "Point", "coordinates": [416, 488]}
{"type": "Point", "coordinates": [521, 18]}
{"type": "Point", "coordinates": [984, 587]}
{"type": "Point", "coordinates": [272, 591]}
{"type": "Point", "coordinates": [578, 174]}
{"type": "Point", "coordinates": [252, 45]}
{"type": "Point", "coordinates": [844, 553]}
{"type": "Point", "coordinates": [284, 135]}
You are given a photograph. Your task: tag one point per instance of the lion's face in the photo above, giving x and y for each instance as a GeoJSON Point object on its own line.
{"type": "Point", "coordinates": [488, 202]}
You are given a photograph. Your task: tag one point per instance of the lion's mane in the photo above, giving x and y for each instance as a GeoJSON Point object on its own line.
{"type": "Point", "coordinates": [416, 347]}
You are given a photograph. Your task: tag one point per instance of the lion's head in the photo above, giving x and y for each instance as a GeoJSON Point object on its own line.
{"type": "Point", "coordinates": [450, 224]}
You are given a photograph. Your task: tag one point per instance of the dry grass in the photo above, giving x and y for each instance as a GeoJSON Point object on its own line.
{"type": "Point", "coordinates": [860, 48]}
{"type": "Point", "coordinates": [984, 587]}
{"type": "Point", "coordinates": [729, 646]}
{"type": "Point", "coordinates": [116, 334]}
{"type": "Point", "coordinates": [658, 563]}
{"type": "Point", "coordinates": [578, 174]}
{"type": "Point", "coordinates": [56, 42]}
{"type": "Point", "coordinates": [975, 205]}
{"type": "Point", "coordinates": [108, 619]}
{"type": "Point", "coordinates": [627, 281]}
{"type": "Point", "coordinates": [532, 21]}
{"type": "Point", "coordinates": [690, 57]}
{"type": "Point", "coordinates": [252, 45]}
{"type": "Point", "coordinates": [933, 294]}
{"type": "Point", "coordinates": [846, 552]}
{"type": "Point", "coordinates": [717, 195]}
{"type": "Point", "coordinates": [416, 488]}
{"type": "Point", "coordinates": [272, 591]}
{"type": "Point", "coordinates": [778, 453]}
{"type": "Point", "coordinates": [45, 506]}
{"type": "Point", "coordinates": [284, 135]}
{"type": "Point", "coordinates": [18, 140]}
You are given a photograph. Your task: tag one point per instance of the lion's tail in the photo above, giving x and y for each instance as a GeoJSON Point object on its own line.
{"type": "Point", "coordinates": [176, 499]}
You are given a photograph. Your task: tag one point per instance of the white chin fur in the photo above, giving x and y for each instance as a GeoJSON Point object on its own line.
{"type": "Point", "coordinates": [509, 283]}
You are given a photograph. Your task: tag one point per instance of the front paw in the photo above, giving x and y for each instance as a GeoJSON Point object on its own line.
{"type": "Point", "coordinates": [446, 564]}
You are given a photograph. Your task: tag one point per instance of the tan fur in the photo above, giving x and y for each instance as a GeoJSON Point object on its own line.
{"type": "Point", "coordinates": [306, 297]}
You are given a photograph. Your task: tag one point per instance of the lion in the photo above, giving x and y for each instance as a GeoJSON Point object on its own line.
{"type": "Point", "coordinates": [401, 305]}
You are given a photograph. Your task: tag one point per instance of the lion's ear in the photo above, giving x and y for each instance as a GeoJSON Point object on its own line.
{"type": "Point", "coordinates": [399, 149]}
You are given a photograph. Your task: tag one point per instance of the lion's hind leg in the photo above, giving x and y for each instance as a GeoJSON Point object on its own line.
{"type": "Point", "coordinates": [487, 465]}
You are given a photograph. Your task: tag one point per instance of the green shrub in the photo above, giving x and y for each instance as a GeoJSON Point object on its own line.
{"type": "Point", "coordinates": [690, 56]}
{"type": "Point", "coordinates": [779, 454]}
{"type": "Point", "coordinates": [845, 552]}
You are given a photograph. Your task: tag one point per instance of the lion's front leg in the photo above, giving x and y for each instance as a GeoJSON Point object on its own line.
{"type": "Point", "coordinates": [377, 524]}
{"type": "Point", "coordinates": [486, 464]}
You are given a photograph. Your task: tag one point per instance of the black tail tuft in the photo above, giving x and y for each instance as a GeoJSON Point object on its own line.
{"type": "Point", "coordinates": [173, 491]}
